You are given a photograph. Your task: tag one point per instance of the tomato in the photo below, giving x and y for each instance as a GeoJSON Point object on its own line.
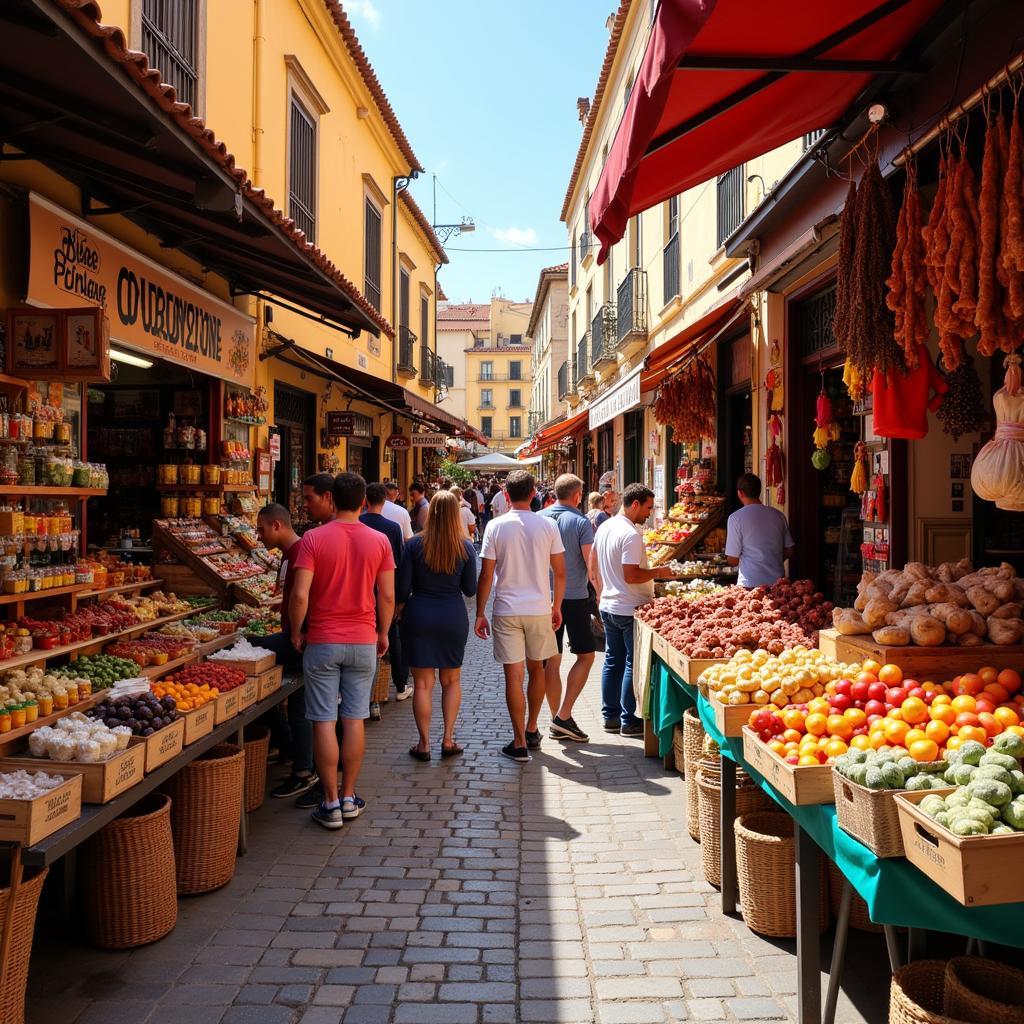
{"type": "Point", "coordinates": [816, 724]}
{"type": "Point", "coordinates": [972, 732]}
{"type": "Point", "coordinates": [895, 731]}
{"type": "Point", "coordinates": [988, 675]}
{"type": "Point", "coordinates": [970, 683]}
{"type": "Point", "coordinates": [924, 750]}
{"type": "Point", "coordinates": [991, 724]}
{"type": "Point", "coordinates": [914, 710]}
{"type": "Point", "coordinates": [937, 731]}
{"type": "Point", "coordinates": [871, 667]}
{"type": "Point", "coordinates": [964, 702]}
{"type": "Point", "coordinates": [996, 692]}
{"type": "Point", "coordinates": [1009, 680]}
{"type": "Point", "coordinates": [1006, 716]}
{"type": "Point", "coordinates": [966, 718]}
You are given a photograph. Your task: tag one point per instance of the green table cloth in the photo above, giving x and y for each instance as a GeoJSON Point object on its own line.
{"type": "Point", "coordinates": [895, 891]}
{"type": "Point", "coordinates": [669, 697]}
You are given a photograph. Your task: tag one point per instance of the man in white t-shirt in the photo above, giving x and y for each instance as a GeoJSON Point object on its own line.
{"type": "Point", "coordinates": [757, 537]}
{"type": "Point", "coordinates": [518, 549]}
{"type": "Point", "coordinates": [393, 511]}
{"type": "Point", "coordinates": [500, 504]}
{"type": "Point", "coordinates": [465, 515]}
{"type": "Point", "coordinates": [624, 582]}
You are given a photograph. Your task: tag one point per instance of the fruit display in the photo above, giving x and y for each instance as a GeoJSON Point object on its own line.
{"type": "Point", "coordinates": [218, 677]}
{"type": "Point", "coordinates": [102, 670]}
{"type": "Point", "coordinates": [885, 769]}
{"type": "Point", "coordinates": [22, 785]}
{"type": "Point", "coordinates": [143, 713]}
{"type": "Point", "coordinates": [795, 676]}
{"type": "Point", "coordinates": [714, 566]}
{"type": "Point", "coordinates": [152, 649]}
{"type": "Point", "coordinates": [200, 601]}
{"type": "Point", "coordinates": [266, 625]}
{"type": "Point", "coordinates": [78, 738]}
{"type": "Point", "coordinates": [696, 507]}
{"type": "Point", "coordinates": [187, 696]}
{"type": "Point", "coordinates": [951, 603]}
{"type": "Point", "coordinates": [785, 615]}
{"type": "Point", "coordinates": [191, 630]}
{"type": "Point", "coordinates": [261, 588]}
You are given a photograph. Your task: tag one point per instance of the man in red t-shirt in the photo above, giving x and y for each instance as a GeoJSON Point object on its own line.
{"type": "Point", "coordinates": [341, 626]}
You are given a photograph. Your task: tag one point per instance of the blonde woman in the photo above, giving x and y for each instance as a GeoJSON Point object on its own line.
{"type": "Point", "coordinates": [595, 506]}
{"type": "Point", "coordinates": [438, 569]}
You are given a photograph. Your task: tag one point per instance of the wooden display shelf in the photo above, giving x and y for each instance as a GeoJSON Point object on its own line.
{"type": "Point", "coordinates": [12, 382]}
{"type": "Point", "coordinates": [920, 662]}
{"type": "Point", "coordinates": [38, 595]}
{"type": "Point", "coordinates": [207, 488]}
{"type": "Point", "coordinates": [12, 738]}
{"type": "Point", "coordinates": [52, 492]}
{"type": "Point", "coordinates": [155, 672]}
{"type": "Point", "coordinates": [684, 547]}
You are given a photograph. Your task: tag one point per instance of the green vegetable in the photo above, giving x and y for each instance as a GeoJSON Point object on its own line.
{"type": "Point", "coordinates": [941, 818]}
{"type": "Point", "coordinates": [916, 782]}
{"type": "Point", "coordinates": [991, 791]}
{"type": "Point", "coordinates": [932, 804]}
{"type": "Point", "coordinates": [1017, 782]}
{"type": "Point", "coordinates": [874, 779]}
{"type": "Point", "coordinates": [908, 766]}
{"type": "Point", "coordinates": [893, 776]}
{"type": "Point", "coordinates": [1013, 812]}
{"type": "Point", "coordinates": [949, 776]}
{"type": "Point", "coordinates": [856, 756]}
{"type": "Point", "coordinates": [1009, 743]}
{"type": "Point", "coordinates": [963, 772]}
{"type": "Point", "coordinates": [972, 752]}
{"type": "Point", "coordinates": [953, 756]}
{"type": "Point", "coordinates": [1003, 760]}
{"type": "Point", "coordinates": [958, 799]}
{"type": "Point", "coordinates": [858, 773]}
{"type": "Point", "coordinates": [1002, 830]}
{"type": "Point", "coordinates": [982, 808]}
{"type": "Point", "coordinates": [992, 771]}
{"type": "Point", "coordinates": [967, 827]}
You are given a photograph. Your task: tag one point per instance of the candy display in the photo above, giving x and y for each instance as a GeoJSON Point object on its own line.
{"type": "Point", "coordinates": [78, 738]}
{"type": "Point", "coordinates": [22, 785]}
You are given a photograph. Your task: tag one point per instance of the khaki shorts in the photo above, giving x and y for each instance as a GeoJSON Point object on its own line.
{"type": "Point", "coordinates": [518, 637]}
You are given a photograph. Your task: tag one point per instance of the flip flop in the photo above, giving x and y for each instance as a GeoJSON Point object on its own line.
{"type": "Point", "coordinates": [453, 751]}
{"type": "Point", "coordinates": [419, 755]}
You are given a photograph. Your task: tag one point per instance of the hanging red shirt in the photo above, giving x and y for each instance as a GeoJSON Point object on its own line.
{"type": "Point", "coordinates": [901, 402]}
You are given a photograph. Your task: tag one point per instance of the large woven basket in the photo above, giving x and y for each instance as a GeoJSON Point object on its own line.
{"type": "Point", "coordinates": [129, 894]}
{"type": "Point", "coordinates": [678, 753]}
{"type": "Point", "coordinates": [257, 746]}
{"type": "Point", "coordinates": [749, 798]}
{"type": "Point", "coordinates": [205, 815]}
{"type": "Point", "coordinates": [693, 743]}
{"type": "Point", "coordinates": [381, 682]}
{"type": "Point", "coordinates": [917, 992]}
{"type": "Point", "coordinates": [859, 916]}
{"type": "Point", "coordinates": [984, 991]}
{"type": "Point", "coordinates": [19, 922]}
{"type": "Point", "coordinates": [766, 870]}
{"type": "Point", "coordinates": [869, 815]}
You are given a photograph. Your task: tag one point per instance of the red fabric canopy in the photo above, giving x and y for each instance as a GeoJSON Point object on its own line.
{"type": "Point", "coordinates": [548, 438]}
{"type": "Point", "coordinates": [685, 124]}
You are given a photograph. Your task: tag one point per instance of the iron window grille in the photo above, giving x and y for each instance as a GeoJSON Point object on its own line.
{"type": "Point", "coordinates": [372, 255]}
{"type": "Point", "coordinates": [302, 171]}
{"type": "Point", "coordinates": [632, 305]}
{"type": "Point", "coordinates": [730, 202]}
{"type": "Point", "coordinates": [169, 39]}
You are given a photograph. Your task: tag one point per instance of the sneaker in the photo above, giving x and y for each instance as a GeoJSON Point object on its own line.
{"type": "Point", "coordinates": [295, 785]}
{"type": "Point", "coordinates": [331, 818]}
{"type": "Point", "coordinates": [375, 712]}
{"type": "Point", "coordinates": [637, 729]}
{"type": "Point", "coordinates": [352, 807]}
{"type": "Point", "coordinates": [533, 739]}
{"type": "Point", "coordinates": [313, 797]}
{"type": "Point", "coordinates": [612, 725]}
{"type": "Point", "coordinates": [403, 694]}
{"type": "Point", "coordinates": [520, 754]}
{"type": "Point", "coordinates": [567, 729]}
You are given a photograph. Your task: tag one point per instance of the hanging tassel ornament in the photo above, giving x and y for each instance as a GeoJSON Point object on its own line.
{"type": "Point", "coordinates": [881, 498]}
{"type": "Point", "coordinates": [859, 476]}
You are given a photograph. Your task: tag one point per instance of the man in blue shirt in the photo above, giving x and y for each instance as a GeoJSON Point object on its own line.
{"type": "Point", "coordinates": [757, 538]}
{"type": "Point", "coordinates": [577, 537]}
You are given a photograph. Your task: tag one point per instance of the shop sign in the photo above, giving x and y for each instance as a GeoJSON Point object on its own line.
{"type": "Point", "coordinates": [622, 398]}
{"type": "Point", "coordinates": [398, 442]}
{"type": "Point", "coordinates": [149, 308]}
{"type": "Point", "coordinates": [341, 424]}
{"type": "Point", "coordinates": [429, 441]}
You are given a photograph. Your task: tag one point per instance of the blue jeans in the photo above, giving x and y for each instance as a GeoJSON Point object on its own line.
{"type": "Point", "coordinates": [617, 699]}
{"type": "Point", "coordinates": [295, 734]}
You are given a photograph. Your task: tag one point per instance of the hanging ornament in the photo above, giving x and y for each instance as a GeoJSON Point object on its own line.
{"type": "Point", "coordinates": [881, 498]}
{"type": "Point", "coordinates": [820, 458]}
{"type": "Point", "coordinates": [859, 476]}
{"type": "Point", "coordinates": [825, 428]}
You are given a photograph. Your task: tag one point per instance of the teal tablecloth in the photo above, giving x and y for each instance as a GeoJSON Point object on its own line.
{"type": "Point", "coordinates": [895, 891]}
{"type": "Point", "coordinates": [669, 698]}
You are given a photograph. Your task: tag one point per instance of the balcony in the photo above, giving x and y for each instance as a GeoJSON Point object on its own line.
{"type": "Point", "coordinates": [515, 405]}
{"type": "Point", "coordinates": [584, 371]}
{"type": "Point", "coordinates": [602, 336]}
{"type": "Point", "coordinates": [406, 352]}
{"type": "Point", "coordinates": [487, 406]}
{"type": "Point", "coordinates": [433, 369]}
{"type": "Point", "coordinates": [631, 322]}
{"type": "Point", "coordinates": [503, 378]}
{"type": "Point", "coordinates": [670, 270]}
{"type": "Point", "coordinates": [564, 381]}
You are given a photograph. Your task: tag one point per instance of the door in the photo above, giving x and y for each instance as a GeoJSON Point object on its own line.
{"type": "Point", "coordinates": [294, 413]}
{"type": "Point", "coordinates": [633, 448]}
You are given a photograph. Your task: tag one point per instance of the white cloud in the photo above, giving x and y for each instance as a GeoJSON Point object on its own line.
{"type": "Point", "coordinates": [366, 10]}
{"type": "Point", "coordinates": [517, 236]}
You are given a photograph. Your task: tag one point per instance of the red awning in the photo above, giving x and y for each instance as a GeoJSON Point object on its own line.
{"type": "Point", "coordinates": [547, 439]}
{"type": "Point", "coordinates": [660, 362]}
{"type": "Point", "coordinates": [723, 81]}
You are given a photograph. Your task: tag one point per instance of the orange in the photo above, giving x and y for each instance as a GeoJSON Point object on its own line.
{"type": "Point", "coordinates": [855, 717]}
{"type": "Point", "coordinates": [943, 713]}
{"type": "Point", "coordinates": [1006, 717]}
{"type": "Point", "coordinates": [839, 726]}
{"type": "Point", "coordinates": [808, 759]}
{"type": "Point", "coordinates": [964, 702]}
{"type": "Point", "coordinates": [972, 732]}
{"type": "Point", "coordinates": [913, 736]}
{"type": "Point", "coordinates": [941, 698]}
{"type": "Point", "coordinates": [793, 719]}
{"type": "Point", "coordinates": [895, 731]}
{"type": "Point", "coordinates": [924, 750]}
{"type": "Point", "coordinates": [817, 706]}
{"type": "Point", "coordinates": [991, 724]}
{"type": "Point", "coordinates": [896, 714]}
{"type": "Point", "coordinates": [861, 742]}
{"type": "Point", "coordinates": [937, 731]}
{"type": "Point", "coordinates": [777, 747]}
{"type": "Point", "coordinates": [834, 748]}
{"type": "Point", "coordinates": [816, 724]}
{"type": "Point", "coordinates": [891, 675]}
{"type": "Point", "coordinates": [914, 710]}
{"type": "Point", "coordinates": [877, 740]}
{"type": "Point", "coordinates": [792, 736]}
{"type": "Point", "coordinates": [871, 666]}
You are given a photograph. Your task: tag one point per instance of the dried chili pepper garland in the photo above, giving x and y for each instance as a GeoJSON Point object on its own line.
{"type": "Point", "coordinates": [907, 282]}
{"type": "Point", "coordinates": [686, 402]}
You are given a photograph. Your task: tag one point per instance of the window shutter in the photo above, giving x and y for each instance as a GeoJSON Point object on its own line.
{"type": "Point", "coordinates": [302, 171]}
{"type": "Point", "coordinates": [371, 256]}
{"type": "Point", "coordinates": [169, 40]}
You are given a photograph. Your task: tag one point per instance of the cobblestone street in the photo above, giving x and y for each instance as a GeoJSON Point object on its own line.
{"type": "Point", "coordinates": [470, 891]}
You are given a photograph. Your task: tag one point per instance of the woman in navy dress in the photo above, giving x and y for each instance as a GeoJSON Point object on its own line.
{"type": "Point", "coordinates": [438, 570]}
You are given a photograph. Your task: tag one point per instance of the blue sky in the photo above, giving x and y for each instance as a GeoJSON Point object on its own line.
{"type": "Point", "coordinates": [486, 92]}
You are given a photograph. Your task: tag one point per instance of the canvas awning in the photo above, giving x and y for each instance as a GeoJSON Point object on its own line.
{"type": "Point", "coordinates": [494, 461]}
{"type": "Point", "coordinates": [546, 439]}
{"type": "Point", "coordinates": [723, 81]}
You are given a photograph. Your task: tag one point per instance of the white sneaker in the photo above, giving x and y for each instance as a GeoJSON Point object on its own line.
{"type": "Point", "coordinates": [404, 694]}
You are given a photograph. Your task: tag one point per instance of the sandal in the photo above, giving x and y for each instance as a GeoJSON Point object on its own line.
{"type": "Point", "coordinates": [419, 755]}
{"type": "Point", "coordinates": [453, 751]}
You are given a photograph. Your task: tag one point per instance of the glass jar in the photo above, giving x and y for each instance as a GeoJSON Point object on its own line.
{"type": "Point", "coordinates": [27, 476]}
{"type": "Point", "coordinates": [169, 507]}
{"type": "Point", "coordinates": [190, 474]}
{"type": "Point", "coordinates": [81, 476]}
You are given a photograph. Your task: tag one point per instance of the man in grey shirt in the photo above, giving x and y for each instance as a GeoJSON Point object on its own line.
{"type": "Point", "coordinates": [577, 537]}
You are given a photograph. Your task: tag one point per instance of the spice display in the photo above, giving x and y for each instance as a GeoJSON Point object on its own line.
{"type": "Point", "coordinates": [144, 714]}
{"type": "Point", "coordinates": [78, 738]}
{"type": "Point", "coordinates": [686, 402]}
{"type": "Point", "coordinates": [22, 785]}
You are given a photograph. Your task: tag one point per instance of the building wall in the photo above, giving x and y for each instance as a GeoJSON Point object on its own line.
{"type": "Point", "coordinates": [549, 348]}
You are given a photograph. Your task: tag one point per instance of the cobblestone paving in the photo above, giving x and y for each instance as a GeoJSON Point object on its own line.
{"type": "Point", "coordinates": [470, 892]}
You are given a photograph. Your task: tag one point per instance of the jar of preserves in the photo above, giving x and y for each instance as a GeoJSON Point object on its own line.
{"type": "Point", "coordinates": [169, 507]}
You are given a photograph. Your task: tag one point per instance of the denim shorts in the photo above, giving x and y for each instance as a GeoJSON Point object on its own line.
{"type": "Point", "coordinates": [333, 670]}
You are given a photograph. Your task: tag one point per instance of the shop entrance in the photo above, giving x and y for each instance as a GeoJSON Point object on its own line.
{"type": "Point", "coordinates": [364, 458]}
{"type": "Point", "coordinates": [605, 450]}
{"type": "Point", "coordinates": [295, 418]}
{"type": "Point", "coordinates": [587, 463]}
{"type": "Point", "coordinates": [633, 448]}
{"type": "Point", "coordinates": [735, 417]}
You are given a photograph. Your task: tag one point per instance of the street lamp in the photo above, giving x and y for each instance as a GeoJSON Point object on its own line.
{"type": "Point", "coordinates": [445, 232]}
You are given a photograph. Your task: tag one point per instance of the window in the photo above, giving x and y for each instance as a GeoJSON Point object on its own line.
{"type": "Point", "coordinates": [634, 244]}
{"type": "Point", "coordinates": [515, 339]}
{"type": "Point", "coordinates": [302, 169]}
{"type": "Point", "coordinates": [485, 426]}
{"type": "Point", "coordinates": [730, 202]}
{"type": "Point", "coordinates": [487, 370]}
{"type": "Point", "coordinates": [515, 398]}
{"type": "Point", "coordinates": [670, 254]}
{"type": "Point", "coordinates": [403, 298]}
{"type": "Point", "coordinates": [486, 396]}
{"type": "Point", "coordinates": [515, 370]}
{"type": "Point", "coordinates": [572, 262]}
{"type": "Point", "coordinates": [170, 40]}
{"type": "Point", "coordinates": [425, 321]}
{"type": "Point", "coordinates": [371, 255]}
{"type": "Point", "coordinates": [515, 426]}
{"type": "Point", "coordinates": [449, 375]}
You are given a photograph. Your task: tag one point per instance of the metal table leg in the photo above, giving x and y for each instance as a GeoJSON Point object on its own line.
{"type": "Point", "coordinates": [893, 946]}
{"type": "Point", "coordinates": [727, 839]}
{"type": "Point", "coordinates": [808, 937]}
{"type": "Point", "coordinates": [243, 818]}
{"type": "Point", "coordinates": [917, 944]}
{"type": "Point", "coordinates": [835, 972]}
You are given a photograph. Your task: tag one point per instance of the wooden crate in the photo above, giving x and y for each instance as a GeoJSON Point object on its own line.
{"type": "Point", "coordinates": [164, 744]}
{"type": "Point", "coordinates": [226, 705]}
{"type": "Point", "coordinates": [248, 692]}
{"type": "Point", "coordinates": [799, 784]}
{"type": "Point", "coordinates": [696, 667]}
{"type": "Point", "coordinates": [249, 668]}
{"type": "Point", "coordinates": [270, 681]}
{"type": "Point", "coordinates": [199, 723]}
{"type": "Point", "coordinates": [29, 821]}
{"type": "Point", "coordinates": [101, 780]}
{"type": "Point", "coordinates": [660, 647]}
{"type": "Point", "coordinates": [731, 718]}
{"type": "Point", "coordinates": [676, 661]}
{"type": "Point", "coordinates": [827, 642]}
{"type": "Point", "coordinates": [977, 871]}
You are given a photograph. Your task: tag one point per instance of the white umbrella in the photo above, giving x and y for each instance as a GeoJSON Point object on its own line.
{"type": "Point", "coordinates": [495, 461]}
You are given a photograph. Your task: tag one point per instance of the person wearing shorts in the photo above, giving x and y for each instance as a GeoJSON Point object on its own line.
{"type": "Point", "coordinates": [577, 535]}
{"type": "Point", "coordinates": [344, 593]}
{"type": "Point", "coordinates": [518, 549]}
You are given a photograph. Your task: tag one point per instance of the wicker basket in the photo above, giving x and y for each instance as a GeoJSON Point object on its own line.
{"type": "Point", "coordinates": [381, 683]}
{"type": "Point", "coordinates": [984, 991]}
{"type": "Point", "coordinates": [766, 870]}
{"type": "Point", "coordinates": [19, 924]}
{"type": "Point", "coordinates": [693, 743]}
{"type": "Point", "coordinates": [130, 894]}
{"type": "Point", "coordinates": [205, 815]}
{"type": "Point", "coordinates": [916, 994]}
{"type": "Point", "coordinates": [257, 746]}
{"type": "Point", "coordinates": [859, 916]}
{"type": "Point", "coordinates": [749, 798]}
{"type": "Point", "coordinates": [869, 815]}
{"type": "Point", "coordinates": [678, 752]}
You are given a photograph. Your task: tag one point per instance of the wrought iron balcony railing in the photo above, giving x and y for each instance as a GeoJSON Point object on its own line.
{"type": "Point", "coordinates": [564, 380]}
{"type": "Point", "coordinates": [406, 351]}
{"type": "Point", "coordinates": [631, 322]}
{"type": "Point", "coordinates": [602, 336]}
{"type": "Point", "coordinates": [584, 371]}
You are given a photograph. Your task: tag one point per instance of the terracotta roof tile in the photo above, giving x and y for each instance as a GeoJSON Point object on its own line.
{"type": "Point", "coordinates": [456, 311]}
{"type": "Point", "coordinates": [136, 66]}
{"type": "Point", "coordinates": [595, 107]}
{"type": "Point", "coordinates": [433, 242]}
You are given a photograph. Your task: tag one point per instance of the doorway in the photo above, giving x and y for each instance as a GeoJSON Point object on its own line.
{"type": "Point", "coordinates": [633, 448]}
{"type": "Point", "coordinates": [295, 418]}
